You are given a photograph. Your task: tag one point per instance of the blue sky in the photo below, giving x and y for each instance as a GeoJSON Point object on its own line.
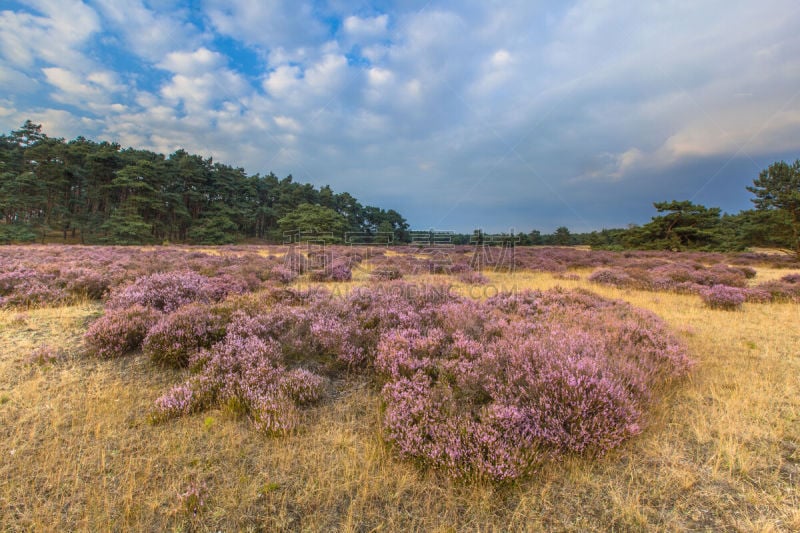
{"type": "Point", "coordinates": [459, 114]}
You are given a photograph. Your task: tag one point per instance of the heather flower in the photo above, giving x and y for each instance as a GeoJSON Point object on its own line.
{"type": "Point", "coordinates": [555, 373]}
{"type": "Point", "coordinates": [250, 372]}
{"type": "Point", "coordinates": [282, 274]}
{"type": "Point", "coordinates": [781, 290]}
{"type": "Point", "coordinates": [178, 335]}
{"type": "Point", "coordinates": [167, 291]}
{"type": "Point", "coordinates": [472, 277]}
{"type": "Point", "coordinates": [385, 273]}
{"type": "Point", "coordinates": [791, 279]}
{"type": "Point", "coordinates": [611, 277]}
{"type": "Point", "coordinates": [44, 354]}
{"type": "Point", "coordinates": [86, 282]}
{"type": "Point", "coordinates": [723, 297]}
{"type": "Point", "coordinates": [193, 499]}
{"type": "Point", "coordinates": [119, 331]}
{"type": "Point", "coordinates": [336, 271]}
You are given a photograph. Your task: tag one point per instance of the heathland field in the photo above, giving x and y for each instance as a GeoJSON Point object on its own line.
{"type": "Point", "coordinates": [356, 389]}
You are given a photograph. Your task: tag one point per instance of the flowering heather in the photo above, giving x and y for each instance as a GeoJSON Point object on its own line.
{"type": "Point", "coordinates": [282, 274]}
{"type": "Point", "coordinates": [44, 354]}
{"type": "Point", "coordinates": [793, 279]}
{"type": "Point", "coordinates": [250, 373]}
{"type": "Point", "coordinates": [174, 338]}
{"type": "Point", "coordinates": [86, 282]}
{"type": "Point", "coordinates": [723, 297]}
{"type": "Point", "coordinates": [748, 272]}
{"type": "Point", "coordinates": [193, 500]}
{"type": "Point", "coordinates": [686, 277]}
{"type": "Point", "coordinates": [385, 273]}
{"type": "Point", "coordinates": [338, 270]}
{"type": "Point", "coordinates": [608, 276]}
{"type": "Point", "coordinates": [481, 389]}
{"type": "Point", "coordinates": [485, 389]}
{"type": "Point", "coordinates": [167, 291]}
{"type": "Point", "coordinates": [543, 374]}
{"type": "Point", "coordinates": [781, 290]}
{"type": "Point", "coordinates": [472, 277]}
{"type": "Point", "coordinates": [119, 331]}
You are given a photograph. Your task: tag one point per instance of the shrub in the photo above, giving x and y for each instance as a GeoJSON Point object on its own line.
{"type": "Point", "coordinates": [167, 291]}
{"type": "Point", "coordinates": [556, 373]}
{"type": "Point", "coordinates": [485, 389]}
{"type": "Point", "coordinates": [178, 335]}
{"type": "Point", "coordinates": [119, 331]}
{"type": "Point", "coordinates": [748, 272]}
{"type": "Point", "coordinates": [472, 277]}
{"type": "Point", "coordinates": [723, 297]}
{"type": "Point", "coordinates": [757, 295]}
{"type": "Point", "coordinates": [86, 282]}
{"type": "Point", "coordinates": [282, 274]}
{"type": "Point", "coordinates": [608, 276]}
{"type": "Point", "coordinates": [336, 271]}
{"type": "Point", "coordinates": [248, 372]}
{"type": "Point", "coordinates": [44, 354]}
{"type": "Point", "coordinates": [385, 273]}
{"type": "Point", "coordinates": [781, 290]}
{"type": "Point", "coordinates": [791, 279]}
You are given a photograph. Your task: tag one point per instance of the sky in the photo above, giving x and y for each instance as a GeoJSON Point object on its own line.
{"type": "Point", "coordinates": [512, 115]}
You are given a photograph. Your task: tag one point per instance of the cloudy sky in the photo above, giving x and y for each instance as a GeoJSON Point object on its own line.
{"type": "Point", "coordinates": [459, 114]}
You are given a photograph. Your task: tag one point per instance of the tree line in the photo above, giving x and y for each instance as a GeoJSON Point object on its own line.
{"type": "Point", "coordinates": [774, 222]}
{"type": "Point", "coordinates": [97, 192]}
{"type": "Point", "coordinates": [682, 225]}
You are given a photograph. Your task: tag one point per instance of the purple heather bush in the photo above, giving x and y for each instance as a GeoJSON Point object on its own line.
{"type": "Point", "coordinates": [338, 270]}
{"type": "Point", "coordinates": [249, 373]}
{"type": "Point", "coordinates": [748, 272]}
{"type": "Point", "coordinates": [26, 287]}
{"type": "Point", "coordinates": [609, 276]}
{"type": "Point", "coordinates": [120, 331]}
{"type": "Point", "coordinates": [167, 291]}
{"type": "Point", "coordinates": [44, 354]}
{"type": "Point", "coordinates": [86, 282]}
{"type": "Point", "coordinates": [282, 274]}
{"type": "Point", "coordinates": [178, 335]}
{"type": "Point", "coordinates": [781, 290]}
{"type": "Point", "coordinates": [791, 279]}
{"type": "Point", "coordinates": [757, 295]}
{"type": "Point", "coordinates": [484, 389]}
{"type": "Point", "coordinates": [490, 390]}
{"type": "Point", "coordinates": [723, 297]}
{"type": "Point", "coordinates": [472, 277]}
{"type": "Point", "coordinates": [385, 273]}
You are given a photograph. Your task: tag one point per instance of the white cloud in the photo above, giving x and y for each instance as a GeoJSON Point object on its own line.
{"type": "Point", "coordinates": [148, 33]}
{"type": "Point", "coordinates": [55, 36]}
{"type": "Point", "coordinates": [287, 123]}
{"type": "Point", "coordinates": [365, 29]}
{"type": "Point", "coordinates": [194, 63]}
{"type": "Point", "coordinates": [95, 89]}
{"type": "Point", "coordinates": [327, 74]}
{"type": "Point", "coordinates": [283, 80]}
{"type": "Point", "coordinates": [379, 76]}
{"type": "Point", "coordinates": [70, 83]}
{"type": "Point", "coordinates": [198, 92]}
{"type": "Point", "coordinates": [288, 24]}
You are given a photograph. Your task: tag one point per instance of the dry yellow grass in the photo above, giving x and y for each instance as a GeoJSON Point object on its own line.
{"type": "Point", "coordinates": [722, 451]}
